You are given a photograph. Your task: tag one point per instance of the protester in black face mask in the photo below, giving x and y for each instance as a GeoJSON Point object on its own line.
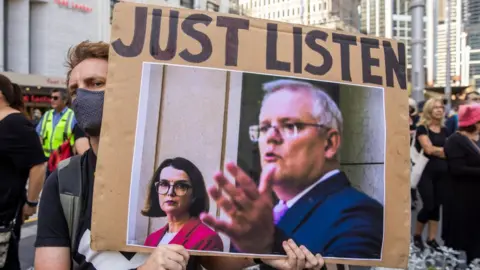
{"type": "Point", "coordinates": [86, 81]}
{"type": "Point", "coordinates": [88, 107]}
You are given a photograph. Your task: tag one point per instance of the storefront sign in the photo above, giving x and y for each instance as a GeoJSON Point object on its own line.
{"type": "Point", "coordinates": [36, 99]}
{"type": "Point", "coordinates": [73, 5]}
{"type": "Point", "coordinates": [56, 81]}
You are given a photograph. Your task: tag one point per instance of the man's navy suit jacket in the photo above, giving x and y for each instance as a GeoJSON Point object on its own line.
{"type": "Point", "coordinates": [335, 220]}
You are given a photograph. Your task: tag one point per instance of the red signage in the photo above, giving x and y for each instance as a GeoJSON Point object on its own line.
{"type": "Point", "coordinates": [36, 99]}
{"type": "Point", "coordinates": [73, 5]}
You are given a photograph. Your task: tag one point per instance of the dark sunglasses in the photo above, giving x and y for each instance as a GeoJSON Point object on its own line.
{"type": "Point", "coordinates": [55, 97]}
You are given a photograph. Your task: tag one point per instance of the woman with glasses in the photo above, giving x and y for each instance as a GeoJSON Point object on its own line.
{"type": "Point", "coordinates": [177, 191]}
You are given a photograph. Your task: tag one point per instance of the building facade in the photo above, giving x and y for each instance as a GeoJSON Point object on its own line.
{"type": "Point", "coordinates": [402, 31]}
{"type": "Point", "coordinates": [377, 15]}
{"type": "Point", "coordinates": [471, 19]}
{"type": "Point", "coordinates": [36, 36]}
{"type": "Point", "coordinates": [454, 14]}
{"type": "Point", "coordinates": [38, 33]}
{"type": "Point", "coordinates": [333, 14]}
{"type": "Point", "coordinates": [223, 6]}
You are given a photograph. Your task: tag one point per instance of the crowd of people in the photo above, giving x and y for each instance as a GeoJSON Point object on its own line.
{"type": "Point", "coordinates": [30, 150]}
{"type": "Point", "coordinates": [29, 154]}
{"type": "Point", "coordinates": [449, 184]}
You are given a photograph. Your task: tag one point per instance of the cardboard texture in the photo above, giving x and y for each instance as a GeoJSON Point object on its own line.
{"type": "Point", "coordinates": [206, 85]}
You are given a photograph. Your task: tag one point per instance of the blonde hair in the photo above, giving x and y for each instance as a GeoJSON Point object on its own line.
{"type": "Point", "coordinates": [426, 118]}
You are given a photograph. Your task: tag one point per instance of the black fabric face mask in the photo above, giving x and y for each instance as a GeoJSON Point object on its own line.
{"type": "Point", "coordinates": [88, 108]}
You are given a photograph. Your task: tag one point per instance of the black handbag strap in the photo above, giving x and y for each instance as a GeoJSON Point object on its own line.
{"type": "Point", "coordinates": [12, 222]}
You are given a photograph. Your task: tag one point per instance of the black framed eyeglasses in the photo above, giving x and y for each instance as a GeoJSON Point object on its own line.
{"type": "Point", "coordinates": [180, 188]}
{"type": "Point", "coordinates": [286, 130]}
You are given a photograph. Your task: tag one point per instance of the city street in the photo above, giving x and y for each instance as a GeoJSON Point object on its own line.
{"type": "Point", "coordinates": [27, 250]}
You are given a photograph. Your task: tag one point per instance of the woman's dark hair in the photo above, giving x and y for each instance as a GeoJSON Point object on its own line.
{"type": "Point", "coordinates": [469, 129]}
{"type": "Point", "coordinates": [12, 93]}
{"type": "Point", "coordinates": [17, 103]}
{"type": "Point", "coordinates": [200, 201]}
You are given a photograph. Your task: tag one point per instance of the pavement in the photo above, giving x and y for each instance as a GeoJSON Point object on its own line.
{"type": "Point", "coordinates": [29, 231]}
{"type": "Point", "coordinates": [27, 240]}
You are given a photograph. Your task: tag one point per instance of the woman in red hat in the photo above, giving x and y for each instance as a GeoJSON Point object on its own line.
{"type": "Point", "coordinates": [462, 210]}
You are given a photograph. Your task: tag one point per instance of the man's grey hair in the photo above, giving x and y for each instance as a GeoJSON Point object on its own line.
{"type": "Point", "coordinates": [63, 93]}
{"type": "Point", "coordinates": [325, 110]}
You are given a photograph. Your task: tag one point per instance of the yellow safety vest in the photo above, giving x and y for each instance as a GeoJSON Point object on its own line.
{"type": "Point", "coordinates": [52, 139]}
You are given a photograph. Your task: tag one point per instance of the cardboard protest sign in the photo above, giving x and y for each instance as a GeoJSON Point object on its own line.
{"type": "Point", "coordinates": [314, 122]}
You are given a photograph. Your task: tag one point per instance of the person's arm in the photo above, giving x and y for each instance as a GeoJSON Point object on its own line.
{"type": "Point", "coordinates": [53, 239]}
{"type": "Point", "coordinates": [37, 164]}
{"type": "Point", "coordinates": [456, 159]}
{"type": "Point", "coordinates": [81, 140]}
{"type": "Point", "coordinates": [81, 145]}
{"type": "Point", "coordinates": [38, 128]}
{"type": "Point", "coordinates": [52, 258]}
{"type": "Point", "coordinates": [35, 183]}
{"type": "Point", "coordinates": [427, 145]}
{"type": "Point", "coordinates": [26, 152]}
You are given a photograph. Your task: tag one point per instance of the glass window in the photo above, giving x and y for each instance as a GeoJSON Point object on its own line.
{"type": "Point", "coordinates": [474, 56]}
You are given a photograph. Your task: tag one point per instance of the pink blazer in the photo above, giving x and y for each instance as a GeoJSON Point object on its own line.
{"type": "Point", "coordinates": [193, 235]}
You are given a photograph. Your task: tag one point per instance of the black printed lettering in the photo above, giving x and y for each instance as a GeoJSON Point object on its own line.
{"type": "Point", "coordinates": [171, 49]}
{"type": "Point", "coordinates": [135, 48]}
{"type": "Point", "coordinates": [345, 41]}
{"type": "Point", "coordinates": [394, 63]}
{"type": "Point", "coordinates": [368, 62]}
{"type": "Point", "coordinates": [202, 38]}
{"type": "Point", "coordinates": [297, 49]}
{"type": "Point", "coordinates": [233, 25]}
{"type": "Point", "coordinates": [311, 41]}
{"type": "Point", "coordinates": [272, 61]}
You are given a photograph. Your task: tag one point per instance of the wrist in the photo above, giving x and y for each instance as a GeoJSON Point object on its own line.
{"type": "Point", "coordinates": [31, 203]}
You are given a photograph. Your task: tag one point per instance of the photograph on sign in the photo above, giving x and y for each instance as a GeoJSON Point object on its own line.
{"type": "Point", "coordinates": [301, 128]}
{"type": "Point", "coordinates": [229, 134]}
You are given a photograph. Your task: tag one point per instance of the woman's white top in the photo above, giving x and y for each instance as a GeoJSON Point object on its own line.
{"type": "Point", "coordinates": [167, 238]}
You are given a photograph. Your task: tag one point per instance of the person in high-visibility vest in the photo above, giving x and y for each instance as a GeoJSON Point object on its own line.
{"type": "Point", "coordinates": [57, 124]}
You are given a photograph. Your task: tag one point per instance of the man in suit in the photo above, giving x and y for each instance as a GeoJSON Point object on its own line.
{"type": "Point", "coordinates": [299, 136]}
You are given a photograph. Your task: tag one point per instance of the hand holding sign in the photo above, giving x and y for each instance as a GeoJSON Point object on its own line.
{"type": "Point", "coordinates": [250, 209]}
{"type": "Point", "coordinates": [298, 258]}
